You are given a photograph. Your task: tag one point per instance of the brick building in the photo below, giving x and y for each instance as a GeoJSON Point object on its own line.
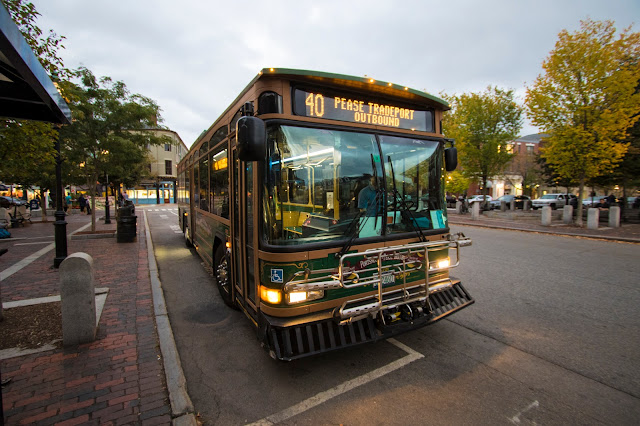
{"type": "Point", "coordinates": [161, 186]}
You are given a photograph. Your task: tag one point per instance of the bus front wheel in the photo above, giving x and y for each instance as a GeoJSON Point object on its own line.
{"type": "Point", "coordinates": [222, 275]}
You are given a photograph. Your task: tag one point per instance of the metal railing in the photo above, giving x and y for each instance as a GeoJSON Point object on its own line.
{"type": "Point", "coordinates": [380, 267]}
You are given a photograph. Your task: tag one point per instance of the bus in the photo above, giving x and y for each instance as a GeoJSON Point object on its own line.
{"type": "Point", "coordinates": [317, 202]}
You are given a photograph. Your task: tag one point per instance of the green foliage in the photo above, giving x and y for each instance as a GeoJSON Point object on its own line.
{"type": "Point", "coordinates": [24, 14]}
{"type": "Point", "coordinates": [108, 133]}
{"type": "Point", "coordinates": [456, 183]}
{"type": "Point", "coordinates": [587, 100]}
{"type": "Point", "coordinates": [27, 154]}
{"type": "Point", "coordinates": [26, 151]}
{"type": "Point", "coordinates": [482, 124]}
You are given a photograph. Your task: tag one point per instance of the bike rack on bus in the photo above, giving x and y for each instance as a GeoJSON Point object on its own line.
{"type": "Point", "coordinates": [409, 257]}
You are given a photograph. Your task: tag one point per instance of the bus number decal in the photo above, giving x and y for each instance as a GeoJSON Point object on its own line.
{"type": "Point", "coordinates": [315, 104]}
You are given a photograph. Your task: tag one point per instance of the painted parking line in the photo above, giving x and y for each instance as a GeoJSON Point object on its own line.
{"type": "Point", "coordinates": [29, 259]}
{"type": "Point", "coordinates": [176, 229]}
{"type": "Point", "coordinates": [342, 388]}
{"type": "Point", "coordinates": [30, 244]}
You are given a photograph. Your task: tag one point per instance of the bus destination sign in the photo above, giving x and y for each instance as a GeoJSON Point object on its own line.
{"type": "Point", "coordinates": [348, 108]}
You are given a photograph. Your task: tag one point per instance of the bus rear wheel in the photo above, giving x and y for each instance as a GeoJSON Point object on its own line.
{"type": "Point", "coordinates": [222, 275]}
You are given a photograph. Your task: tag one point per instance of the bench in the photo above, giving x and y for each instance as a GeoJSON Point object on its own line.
{"type": "Point", "coordinates": [19, 216]}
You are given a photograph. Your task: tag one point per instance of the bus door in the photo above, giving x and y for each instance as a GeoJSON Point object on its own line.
{"type": "Point", "coordinates": [192, 204]}
{"type": "Point", "coordinates": [243, 232]}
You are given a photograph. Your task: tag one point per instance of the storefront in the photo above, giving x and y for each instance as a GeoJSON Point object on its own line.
{"type": "Point", "coordinates": [162, 192]}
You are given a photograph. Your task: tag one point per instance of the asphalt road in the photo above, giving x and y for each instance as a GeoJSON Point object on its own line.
{"type": "Point", "coordinates": [553, 338]}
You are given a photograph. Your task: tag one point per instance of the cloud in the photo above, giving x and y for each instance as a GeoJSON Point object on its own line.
{"type": "Point", "coordinates": [194, 57]}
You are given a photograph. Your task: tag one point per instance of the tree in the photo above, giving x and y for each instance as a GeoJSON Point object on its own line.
{"type": "Point", "coordinates": [27, 154]}
{"type": "Point", "coordinates": [107, 133]}
{"type": "Point", "coordinates": [482, 124]}
{"type": "Point", "coordinates": [586, 100]}
{"type": "Point", "coordinates": [456, 183]}
{"type": "Point", "coordinates": [528, 169]}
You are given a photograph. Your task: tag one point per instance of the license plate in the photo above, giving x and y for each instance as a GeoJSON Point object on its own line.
{"type": "Point", "coordinates": [386, 280]}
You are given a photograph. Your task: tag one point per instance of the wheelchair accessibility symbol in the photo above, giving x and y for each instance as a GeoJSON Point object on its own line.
{"type": "Point", "coordinates": [277, 276]}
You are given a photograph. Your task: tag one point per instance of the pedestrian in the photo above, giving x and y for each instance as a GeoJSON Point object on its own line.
{"type": "Point", "coordinates": [67, 202]}
{"type": "Point", "coordinates": [88, 205]}
{"type": "Point", "coordinates": [604, 203]}
{"type": "Point", "coordinates": [611, 199]}
{"type": "Point", "coordinates": [82, 202]}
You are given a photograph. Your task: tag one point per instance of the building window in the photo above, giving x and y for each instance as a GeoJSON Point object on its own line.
{"type": "Point", "coordinates": [167, 147]}
{"type": "Point", "coordinates": [168, 169]}
{"type": "Point", "coordinates": [529, 149]}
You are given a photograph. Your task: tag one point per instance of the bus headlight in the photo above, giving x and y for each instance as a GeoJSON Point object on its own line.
{"type": "Point", "coordinates": [444, 263]}
{"type": "Point", "coordinates": [304, 296]}
{"type": "Point", "coordinates": [440, 264]}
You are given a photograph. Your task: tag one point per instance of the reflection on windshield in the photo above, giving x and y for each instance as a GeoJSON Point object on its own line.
{"type": "Point", "coordinates": [325, 185]}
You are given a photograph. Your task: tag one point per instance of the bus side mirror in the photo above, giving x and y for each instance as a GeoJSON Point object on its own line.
{"type": "Point", "coordinates": [450, 159]}
{"type": "Point", "coordinates": [251, 135]}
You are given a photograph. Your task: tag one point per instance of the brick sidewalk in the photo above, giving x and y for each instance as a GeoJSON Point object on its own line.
{"type": "Point", "coordinates": [117, 379]}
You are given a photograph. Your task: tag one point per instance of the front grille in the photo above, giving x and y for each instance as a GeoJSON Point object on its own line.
{"type": "Point", "coordinates": [289, 343]}
{"type": "Point", "coordinates": [323, 336]}
{"type": "Point", "coordinates": [448, 301]}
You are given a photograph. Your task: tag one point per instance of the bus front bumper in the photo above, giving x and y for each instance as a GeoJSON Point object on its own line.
{"type": "Point", "coordinates": [289, 339]}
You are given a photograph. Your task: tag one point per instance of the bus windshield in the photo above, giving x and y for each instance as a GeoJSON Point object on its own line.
{"type": "Point", "coordinates": [325, 185]}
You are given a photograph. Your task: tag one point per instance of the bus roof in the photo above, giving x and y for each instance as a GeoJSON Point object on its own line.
{"type": "Point", "coordinates": [365, 83]}
{"type": "Point", "coordinates": [323, 78]}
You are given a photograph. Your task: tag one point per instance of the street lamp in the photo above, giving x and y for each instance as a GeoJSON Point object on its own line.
{"type": "Point", "coordinates": [107, 217]}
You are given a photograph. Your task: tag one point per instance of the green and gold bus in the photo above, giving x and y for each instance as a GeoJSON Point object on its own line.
{"type": "Point", "coordinates": [318, 202]}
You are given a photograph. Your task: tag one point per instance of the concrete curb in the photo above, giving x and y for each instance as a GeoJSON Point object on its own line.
{"type": "Point", "coordinates": [181, 405]}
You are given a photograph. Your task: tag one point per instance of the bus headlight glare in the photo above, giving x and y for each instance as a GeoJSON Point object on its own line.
{"type": "Point", "coordinates": [304, 296]}
{"type": "Point", "coordinates": [444, 263]}
{"type": "Point", "coordinates": [270, 295]}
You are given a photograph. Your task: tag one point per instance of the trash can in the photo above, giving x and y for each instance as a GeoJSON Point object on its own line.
{"type": "Point", "coordinates": [127, 223]}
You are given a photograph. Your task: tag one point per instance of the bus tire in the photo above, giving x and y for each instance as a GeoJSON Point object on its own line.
{"type": "Point", "coordinates": [222, 275]}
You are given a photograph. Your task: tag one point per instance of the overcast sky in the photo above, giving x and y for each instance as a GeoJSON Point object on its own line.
{"type": "Point", "coordinates": [193, 57]}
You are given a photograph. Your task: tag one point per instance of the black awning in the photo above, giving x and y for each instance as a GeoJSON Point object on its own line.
{"type": "Point", "coordinates": [26, 91]}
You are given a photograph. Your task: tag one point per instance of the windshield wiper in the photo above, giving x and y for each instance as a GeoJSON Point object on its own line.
{"type": "Point", "coordinates": [354, 228]}
{"type": "Point", "coordinates": [406, 210]}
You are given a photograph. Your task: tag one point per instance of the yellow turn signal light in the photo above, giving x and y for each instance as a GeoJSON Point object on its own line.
{"type": "Point", "coordinates": [270, 295]}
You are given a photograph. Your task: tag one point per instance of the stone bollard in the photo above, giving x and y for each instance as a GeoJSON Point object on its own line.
{"type": "Point", "coordinates": [475, 211]}
{"type": "Point", "coordinates": [567, 215]}
{"type": "Point", "coordinates": [458, 207]}
{"type": "Point", "coordinates": [526, 206]}
{"type": "Point", "coordinates": [77, 294]}
{"type": "Point", "coordinates": [546, 216]}
{"type": "Point", "coordinates": [503, 206]}
{"type": "Point", "coordinates": [614, 217]}
{"type": "Point", "coordinates": [593, 218]}
{"type": "Point", "coordinates": [512, 205]}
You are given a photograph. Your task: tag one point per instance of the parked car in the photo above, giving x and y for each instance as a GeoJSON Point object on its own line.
{"type": "Point", "coordinates": [6, 201]}
{"type": "Point", "coordinates": [553, 200]}
{"type": "Point", "coordinates": [476, 198]}
{"type": "Point", "coordinates": [520, 199]}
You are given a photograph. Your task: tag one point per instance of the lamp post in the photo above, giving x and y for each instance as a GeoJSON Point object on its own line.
{"type": "Point", "coordinates": [60, 225]}
{"type": "Point", "coordinates": [107, 217]}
